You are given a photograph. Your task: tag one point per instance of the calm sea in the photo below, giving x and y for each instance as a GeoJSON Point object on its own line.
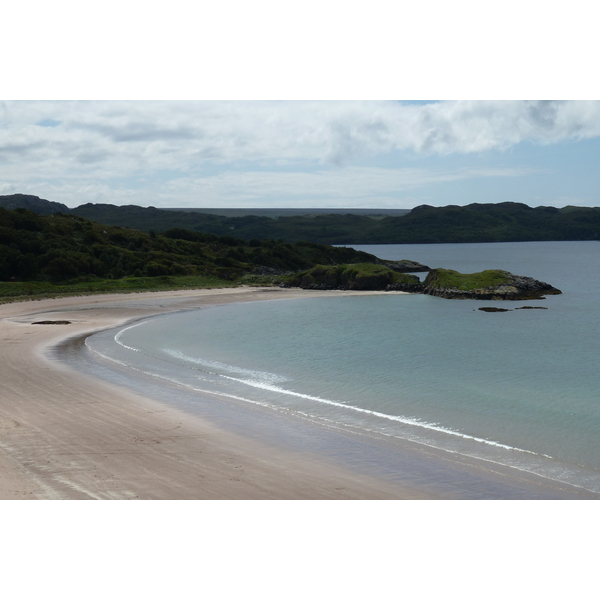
{"type": "Point", "coordinates": [519, 388]}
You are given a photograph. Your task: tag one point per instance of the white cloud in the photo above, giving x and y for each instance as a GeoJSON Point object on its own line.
{"type": "Point", "coordinates": [348, 186]}
{"type": "Point", "coordinates": [351, 183]}
{"type": "Point", "coordinates": [239, 152]}
{"type": "Point", "coordinates": [185, 134]}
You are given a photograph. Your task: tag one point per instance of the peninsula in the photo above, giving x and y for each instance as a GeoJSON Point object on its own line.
{"type": "Point", "coordinates": [494, 284]}
{"type": "Point", "coordinates": [63, 254]}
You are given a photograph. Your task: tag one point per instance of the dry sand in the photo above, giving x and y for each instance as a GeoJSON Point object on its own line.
{"type": "Point", "coordinates": [67, 435]}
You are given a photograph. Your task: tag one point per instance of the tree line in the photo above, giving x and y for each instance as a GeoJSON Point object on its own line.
{"type": "Point", "coordinates": [64, 247]}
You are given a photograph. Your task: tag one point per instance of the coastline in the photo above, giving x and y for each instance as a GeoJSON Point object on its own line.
{"type": "Point", "coordinates": [66, 434]}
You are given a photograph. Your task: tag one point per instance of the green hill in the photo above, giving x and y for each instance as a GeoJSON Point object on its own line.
{"type": "Point", "coordinates": [503, 222]}
{"type": "Point", "coordinates": [51, 250]}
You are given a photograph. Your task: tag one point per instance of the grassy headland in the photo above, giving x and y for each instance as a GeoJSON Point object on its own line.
{"type": "Point", "coordinates": [66, 254]}
{"type": "Point", "coordinates": [493, 284]}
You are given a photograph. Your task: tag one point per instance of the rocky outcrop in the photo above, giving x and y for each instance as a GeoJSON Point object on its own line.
{"type": "Point", "coordinates": [405, 266]}
{"type": "Point", "coordinates": [502, 285]}
{"type": "Point", "coordinates": [361, 276]}
{"type": "Point", "coordinates": [444, 283]}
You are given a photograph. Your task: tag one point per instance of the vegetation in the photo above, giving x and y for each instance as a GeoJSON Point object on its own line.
{"type": "Point", "coordinates": [64, 254]}
{"type": "Point", "coordinates": [42, 254]}
{"type": "Point", "coordinates": [17, 290]}
{"type": "Point", "coordinates": [336, 228]}
{"type": "Point", "coordinates": [447, 278]}
{"type": "Point", "coordinates": [486, 285]}
{"type": "Point", "coordinates": [503, 222]}
{"type": "Point", "coordinates": [361, 276]}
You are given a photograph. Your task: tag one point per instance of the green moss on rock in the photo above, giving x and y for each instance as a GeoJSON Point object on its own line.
{"type": "Point", "coordinates": [493, 284]}
{"type": "Point", "coordinates": [359, 276]}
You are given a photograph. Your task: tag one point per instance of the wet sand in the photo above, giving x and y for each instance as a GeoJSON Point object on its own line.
{"type": "Point", "coordinates": [66, 434]}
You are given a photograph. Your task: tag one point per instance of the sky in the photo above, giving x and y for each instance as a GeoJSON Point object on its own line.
{"type": "Point", "coordinates": [298, 154]}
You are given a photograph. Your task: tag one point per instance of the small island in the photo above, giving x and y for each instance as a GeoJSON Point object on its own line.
{"type": "Point", "coordinates": [493, 284]}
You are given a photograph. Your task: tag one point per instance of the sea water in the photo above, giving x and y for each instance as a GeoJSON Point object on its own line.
{"type": "Point", "coordinates": [518, 388]}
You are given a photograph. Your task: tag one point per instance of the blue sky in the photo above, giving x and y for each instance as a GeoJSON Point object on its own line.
{"type": "Point", "coordinates": [336, 154]}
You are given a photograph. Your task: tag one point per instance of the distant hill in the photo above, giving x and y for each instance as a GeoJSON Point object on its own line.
{"type": "Point", "coordinates": [503, 222]}
{"type": "Point", "coordinates": [37, 205]}
{"type": "Point", "coordinates": [274, 213]}
{"type": "Point", "coordinates": [338, 228]}
{"type": "Point", "coordinates": [479, 222]}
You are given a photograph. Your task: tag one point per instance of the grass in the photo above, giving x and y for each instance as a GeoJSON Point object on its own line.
{"type": "Point", "coordinates": [30, 290]}
{"type": "Point", "coordinates": [355, 276]}
{"type": "Point", "coordinates": [446, 278]}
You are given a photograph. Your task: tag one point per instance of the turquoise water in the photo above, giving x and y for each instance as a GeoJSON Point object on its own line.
{"type": "Point", "coordinates": [520, 388]}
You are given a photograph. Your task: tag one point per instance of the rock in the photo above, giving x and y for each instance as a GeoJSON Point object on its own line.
{"type": "Point", "coordinates": [51, 323]}
{"type": "Point", "coordinates": [493, 309]}
{"type": "Point", "coordinates": [487, 285]}
{"type": "Point", "coordinates": [405, 266]}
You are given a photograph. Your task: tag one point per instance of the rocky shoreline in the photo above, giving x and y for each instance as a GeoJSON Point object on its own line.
{"type": "Point", "coordinates": [443, 283]}
{"type": "Point", "coordinates": [515, 287]}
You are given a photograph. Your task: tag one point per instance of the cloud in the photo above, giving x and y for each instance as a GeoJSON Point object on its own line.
{"type": "Point", "coordinates": [353, 185]}
{"type": "Point", "coordinates": [248, 152]}
{"type": "Point", "coordinates": [186, 134]}
{"type": "Point", "coordinates": [348, 186]}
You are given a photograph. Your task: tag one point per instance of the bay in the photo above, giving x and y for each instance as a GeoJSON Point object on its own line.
{"type": "Point", "coordinates": [518, 388]}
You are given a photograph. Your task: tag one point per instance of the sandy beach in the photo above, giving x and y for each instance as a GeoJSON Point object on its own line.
{"type": "Point", "coordinates": [65, 434]}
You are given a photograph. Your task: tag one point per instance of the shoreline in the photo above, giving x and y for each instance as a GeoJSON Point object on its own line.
{"type": "Point", "coordinates": [67, 434]}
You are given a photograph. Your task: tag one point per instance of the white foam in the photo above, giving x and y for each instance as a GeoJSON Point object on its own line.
{"type": "Point", "coordinates": [552, 471]}
{"type": "Point", "coordinates": [398, 418]}
{"type": "Point", "coordinates": [220, 368]}
{"type": "Point", "coordinates": [265, 380]}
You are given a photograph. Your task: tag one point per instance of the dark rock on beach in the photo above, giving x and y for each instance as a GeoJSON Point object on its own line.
{"type": "Point", "coordinates": [51, 323]}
